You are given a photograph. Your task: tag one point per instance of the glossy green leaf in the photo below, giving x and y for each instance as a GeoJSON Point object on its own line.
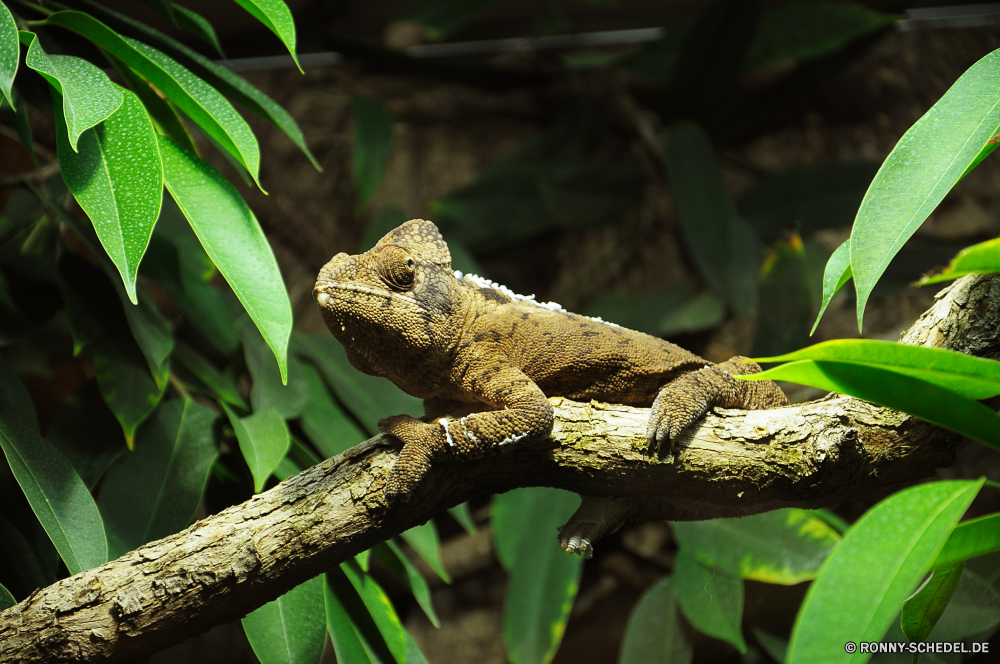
{"type": "Point", "coordinates": [785, 300]}
{"type": "Point", "coordinates": [785, 546]}
{"type": "Point", "coordinates": [896, 390]}
{"type": "Point", "coordinates": [151, 330]}
{"type": "Point", "coordinates": [367, 397]}
{"type": "Point", "coordinates": [807, 199]}
{"type": "Point", "coordinates": [441, 18]}
{"type": "Point", "coordinates": [363, 559]}
{"type": "Point", "coordinates": [543, 580]}
{"type": "Point", "coordinates": [264, 440]}
{"type": "Point", "coordinates": [924, 607]}
{"type": "Point", "coordinates": [970, 376]}
{"type": "Point", "coordinates": [86, 432]}
{"type": "Point", "coordinates": [231, 236]}
{"type": "Point", "coordinates": [978, 259]}
{"type": "Point", "coordinates": [837, 273]}
{"type": "Point", "coordinates": [463, 515]}
{"type": "Point", "coordinates": [162, 112]}
{"type": "Point", "coordinates": [274, 14]}
{"type": "Point", "coordinates": [57, 496]}
{"type": "Point", "coordinates": [10, 54]}
{"type": "Point", "coordinates": [124, 380]}
{"type": "Point", "coordinates": [292, 628]}
{"type": "Point", "coordinates": [222, 384]}
{"type": "Point", "coordinates": [396, 561]}
{"type": "Point", "coordinates": [379, 608]}
{"type": "Point", "coordinates": [926, 163]}
{"type": "Point", "coordinates": [120, 189]}
{"type": "Point", "coordinates": [31, 569]}
{"type": "Point", "coordinates": [154, 491]}
{"type": "Point", "coordinates": [711, 600]}
{"type": "Point", "coordinates": [225, 80]}
{"type": "Point", "coordinates": [15, 402]}
{"type": "Point", "coordinates": [974, 609]}
{"type": "Point", "coordinates": [803, 30]}
{"type": "Point", "coordinates": [371, 145]}
{"type": "Point", "coordinates": [424, 540]}
{"type": "Point", "coordinates": [704, 210]}
{"type": "Point", "coordinates": [348, 643]}
{"type": "Point", "coordinates": [87, 94]}
{"type": "Point", "coordinates": [197, 25]}
{"type": "Point", "coordinates": [6, 599]}
{"type": "Point", "coordinates": [267, 390]}
{"type": "Point", "coordinates": [328, 426]}
{"type": "Point", "coordinates": [655, 634]}
{"type": "Point", "coordinates": [16, 116]}
{"type": "Point", "coordinates": [878, 564]}
{"type": "Point", "coordinates": [199, 100]}
{"type": "Point", "coordinates": [971, 539]}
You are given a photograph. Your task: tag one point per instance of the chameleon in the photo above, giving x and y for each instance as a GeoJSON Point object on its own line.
{"type": "Point", "coordinates": [402, 312]}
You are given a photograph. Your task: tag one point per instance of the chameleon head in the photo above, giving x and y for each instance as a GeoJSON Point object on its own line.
{"type": "Point", "coordinates": [395, 294]}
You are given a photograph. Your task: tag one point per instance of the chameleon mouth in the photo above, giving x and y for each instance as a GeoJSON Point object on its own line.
{"type": "Point", "coordinates": [323, 293]}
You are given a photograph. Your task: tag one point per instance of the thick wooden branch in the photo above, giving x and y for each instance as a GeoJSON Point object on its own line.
{"type": "Point", "coordinates": [733, 463]}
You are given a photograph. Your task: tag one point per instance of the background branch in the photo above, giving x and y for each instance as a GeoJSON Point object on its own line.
{"type": "Point", "coordinates": [733, 463]}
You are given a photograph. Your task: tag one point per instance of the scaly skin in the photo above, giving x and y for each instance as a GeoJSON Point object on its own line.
{"type": "Point", "coordinates": [402, 313]}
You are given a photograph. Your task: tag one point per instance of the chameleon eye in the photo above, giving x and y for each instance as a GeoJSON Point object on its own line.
{"type": "Point", "coordinates": [397, 267]}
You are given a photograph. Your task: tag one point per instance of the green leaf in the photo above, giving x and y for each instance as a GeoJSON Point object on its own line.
{"type": "Point", "coordinates": [463, 515]}
{"type": "Point", "coordinates": [970, 376]}
{"type": "Point", "coordinates": [371, 145]}
{"type": "Point", "coordinates": [199, 100]}
{"type": "Point", "coordinates": [803, 30]}
{"type": "Point", "coordinates": [124, 380]}
{"type": "Point", "coordinates": [837, 273]}
{"type": "Point", "coordinates": [676, 310]}
{"type": "Point", "coordinates": [923, 608]}
{"type": "Point", "coordinates": [151, 330]}
{"type": "Point", "coordinates": [367, 397]}
{"type": "Point", "coordinates": [442, 17]}
{"type": "Point", "coordinates": [267, 390]}
{"type": "Point", "coordinates": [380, 609]}
{"type": "Point", "coordinates": [892, 389]}
{"type": "Point", "coordinates": [926, 163]}
{"type": "Point", "coordinates": [878, 564]}
{"type": "Point", "coordinates": [264, 441]}
{"type": "Point", "coordinates": [328, 426]}
{"type": "Point", "coordinates": [704, 209]}
{"type": "Point", "coordinates": [10, 54]}
{"type": "Point", "coordinates": [970, 539]}
{"type": "Point", "coordinates": [197, 25]}
{"type": "Point", "coordinates": [292, 628]}
{"type": "Point", "coordinates": [154, 491]}
{"type": "Point", "coordinates": [16, 115]}
{"type": "Point", "coordinates": [87, 94]}
{"type": "Point", "coordinates": [219, 77]}
{"type": "Point", "coordinates": [973, 609]}
{"type": "Point", "coordinates": [6, 599]}
{"type": "Point", "coordinates": [15, 402]}
{"type": "Point", "coordinates": [162, 112]}
{"type": "Point", "coordinates": [363, 559]}
{"type": "Point", "coordinates": [808, 199]}
{"type": "Point", "coordinates": [120, 188]}
{"type": "Point", "coordinates": [543, 580]}
{"type": "Point", "coordinates": [424, 540]}
{"type": "Point", "coordinates": [231, 236]}
{"type": "Point", "coordinates": [712, 601]}
{"type": "Point", "coordinates": [31, 569]}
{"type": "Point", "coordinates": [655, 634]}
{"type": "Point", "coordinates": [784, 546]}
{"type": "Point", "coordinates": [978, 259]}
{"type": "Point", "coordinates": [277, 18]}
{"type": "Point", "coordinates": [86, 432]}
{"type": "Point", "coordinates": [785, 300]}
{"type": "Point", "coordinates": [348, 645]}
{"type": "Point", "coordinates": [221, 384]}
{"type": "Point", "coordinates": [57, 496]}
{"type": "Point", "coordinates": [396, 561]}
{"type": "Point", "coordinates": [773, 645]}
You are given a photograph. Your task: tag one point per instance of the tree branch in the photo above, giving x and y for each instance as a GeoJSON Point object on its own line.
{"type": "Point", "coordinates": [733, 463]}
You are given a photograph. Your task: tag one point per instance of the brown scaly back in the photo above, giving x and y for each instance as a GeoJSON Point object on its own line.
{"type": "Point", "coordinates": [422, 239]}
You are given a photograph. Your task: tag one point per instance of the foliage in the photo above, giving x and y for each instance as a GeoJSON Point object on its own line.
{"type": "Point", "coordinates": [167, 412]}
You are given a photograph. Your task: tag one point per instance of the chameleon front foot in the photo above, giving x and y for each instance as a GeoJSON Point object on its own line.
{"type": "Point", "coordinates": [414, 460]}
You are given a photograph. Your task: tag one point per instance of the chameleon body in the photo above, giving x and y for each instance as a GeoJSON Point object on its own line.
{"type": "Point", "coordinates": [401, 312]}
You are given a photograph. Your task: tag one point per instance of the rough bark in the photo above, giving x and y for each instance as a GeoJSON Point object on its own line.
{"type": "Point", "coordinates": [733, 463]}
